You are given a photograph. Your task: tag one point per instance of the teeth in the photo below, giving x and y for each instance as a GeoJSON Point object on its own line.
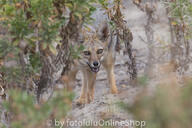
{"type": "Point", "coordinates": [95, 69]}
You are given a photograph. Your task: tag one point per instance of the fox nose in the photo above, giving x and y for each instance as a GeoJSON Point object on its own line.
{"type": "Point", "coordinates": [95, 63]}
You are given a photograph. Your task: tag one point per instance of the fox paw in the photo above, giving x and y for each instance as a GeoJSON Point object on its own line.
{"type": "Point", "coordinates": [90, 98]}
{"type": "Point", "coordinates": [81, 101]}
{"type": "Point", "coordinates": [114, 91]}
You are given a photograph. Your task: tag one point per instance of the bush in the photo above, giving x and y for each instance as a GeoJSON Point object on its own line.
{"type": "Point", "coordinates": [169, 107]}
{"type": "Point", "coordinates": [26, 114]}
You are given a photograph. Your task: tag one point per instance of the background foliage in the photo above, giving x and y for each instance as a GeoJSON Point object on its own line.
{"type": "Point", "coordinates": [26, 113]}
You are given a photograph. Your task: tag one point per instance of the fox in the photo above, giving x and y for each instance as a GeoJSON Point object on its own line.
{"type": "Point", "coordinates": [99, 50]}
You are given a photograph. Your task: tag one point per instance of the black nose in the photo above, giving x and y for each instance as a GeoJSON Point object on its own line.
{"type": "Point", "coordinates": [95, 63]}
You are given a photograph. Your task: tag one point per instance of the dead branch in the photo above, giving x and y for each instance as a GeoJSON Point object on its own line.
{"type": "Point", "coordinates": [180, 45]}
{"type": "Point", "coordinates": [149, 9]}
{"type": "Point", "coordinates": [125, 34]}
{"type": "Point", "coordinates": [52, 69]}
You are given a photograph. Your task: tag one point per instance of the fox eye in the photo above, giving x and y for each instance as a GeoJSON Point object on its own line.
{"type": "Point", "coordinates": [99, 51]}
{"type": "Point", "coordinates": [87, 53]}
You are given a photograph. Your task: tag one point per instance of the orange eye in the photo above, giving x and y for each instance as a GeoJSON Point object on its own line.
{"type": "Point", "coordinates": [87, 53]}
{"type": "Point", "coordinates": [99, 51]}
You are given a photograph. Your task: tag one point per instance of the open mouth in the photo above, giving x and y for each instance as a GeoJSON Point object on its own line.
{"type": "Point", "coordinates": [94, 69]}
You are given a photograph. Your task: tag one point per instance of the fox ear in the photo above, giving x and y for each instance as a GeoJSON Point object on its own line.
{"type": "Point", "coordinates": [104, 32]}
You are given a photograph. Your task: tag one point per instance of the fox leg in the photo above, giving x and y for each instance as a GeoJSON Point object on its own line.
{"type": "Point", "coordinates": [82, 99]}
{"type": "Point", "coordinates": [91, 86]}
{"type": "Point", "coordinates": [111, 79]}
{"type": "Point", "coordinates": [109, 67]}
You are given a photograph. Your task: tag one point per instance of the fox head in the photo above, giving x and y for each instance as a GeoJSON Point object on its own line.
{"type": "Point", "coordinates": [95, 48]}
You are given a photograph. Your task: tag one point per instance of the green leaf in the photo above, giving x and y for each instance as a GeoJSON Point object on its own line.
{"type": "Point", "coordinates": [52, 49]}
{"type": "Point", "coordinates": [81, 48]}
{"type": "Point", "coordinates": [44, 46]}
{"type": "Point", "coordinates": [16, 42]}
{"type": "Point", "coordinates": [79, 15]}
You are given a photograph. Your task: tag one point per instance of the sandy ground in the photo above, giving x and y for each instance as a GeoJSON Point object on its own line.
{"type": "Point", "coordinates": [104, 105]}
